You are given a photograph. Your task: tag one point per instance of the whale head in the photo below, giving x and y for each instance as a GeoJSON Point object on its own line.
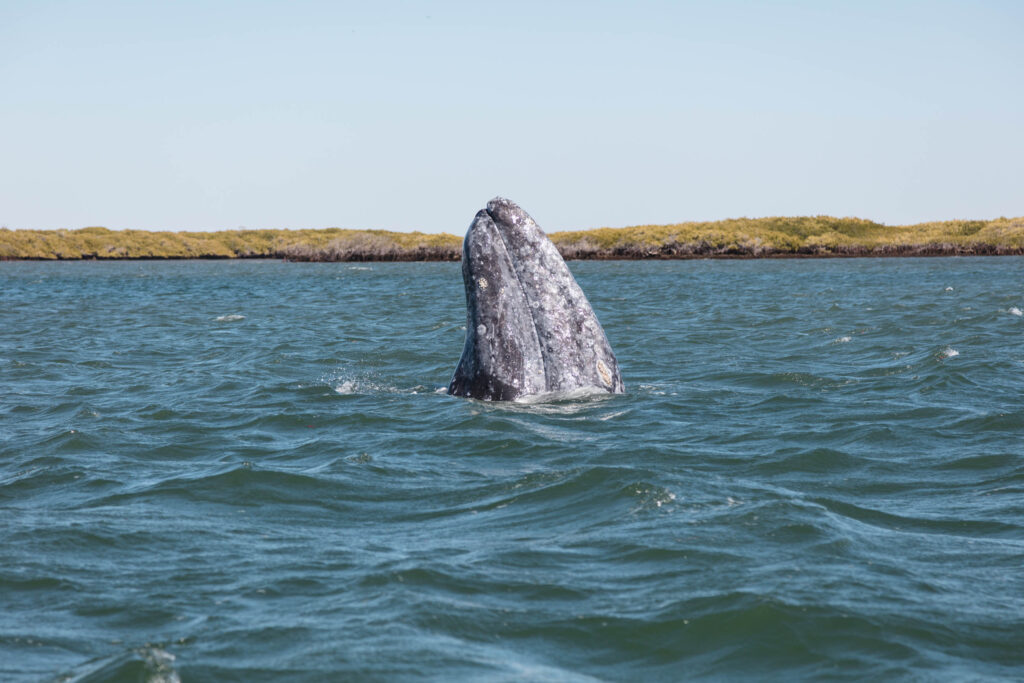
{"type": "Point", "coordinates": [529, 328]}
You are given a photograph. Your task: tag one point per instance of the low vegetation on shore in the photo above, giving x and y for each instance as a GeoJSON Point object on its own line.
{"type": "Point", "coordinates": [733, 238]}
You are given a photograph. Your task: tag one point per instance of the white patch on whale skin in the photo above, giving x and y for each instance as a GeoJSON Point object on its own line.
{"type": "Point", "coordinates": [482, 282]}
{"type": "Point", "coordinates": [481, 330]}
{"type": "Point", "coordinates": [604, 373]}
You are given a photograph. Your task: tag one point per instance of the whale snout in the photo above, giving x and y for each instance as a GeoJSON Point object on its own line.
{"type": "Point", "coordinates": [506, 212]}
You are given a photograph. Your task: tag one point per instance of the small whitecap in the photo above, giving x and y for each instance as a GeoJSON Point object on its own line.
{"type": "Point", "coordinates": [949, 352]}
{"type": "Point", "coordinates": [843, 340]}
{"type": "Point", "coordinates": [229, 318]}
{"type": "Point", "coordinates": [346, 387]}
{"type": "Point", "coordinates": [159, 665]}
{"type": "Point", "coordinates": [1015, 311]}
{"type": "Point", "coordinates": [949, 289]}
{"type": "Point", "coordinates": [650, 496]}
{"type": "Point", "coordinates": [665, 500]}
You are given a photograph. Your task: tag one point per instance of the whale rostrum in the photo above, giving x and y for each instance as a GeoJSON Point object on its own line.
{"type": "Point", "coordinates": [529, 328]}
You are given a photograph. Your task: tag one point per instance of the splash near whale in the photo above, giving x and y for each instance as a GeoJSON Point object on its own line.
{"type": "Point", "coordinates": [529, 328]}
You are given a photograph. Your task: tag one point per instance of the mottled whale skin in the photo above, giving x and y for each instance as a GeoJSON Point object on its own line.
{"type": "Point", "coordinates": [529, 328]}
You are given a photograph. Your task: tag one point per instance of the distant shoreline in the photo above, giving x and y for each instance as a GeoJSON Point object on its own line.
{"type": "Point", "coordinates": [780, 256]}
{"type": "Point", "coordinates": [792, 237]}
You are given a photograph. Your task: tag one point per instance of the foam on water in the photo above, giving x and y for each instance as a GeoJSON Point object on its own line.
{"type": "Point", "coordinates": [368, 387]}
{"type": "Point", "coordinates": [574, 395]}
{"type": "Point", "coordinates": [146, 664]}
{"type": "Point", "coordinates": [347, 383]}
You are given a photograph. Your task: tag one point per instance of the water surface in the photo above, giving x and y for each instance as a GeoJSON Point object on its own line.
{"type": "Point", "coordinates": [248, 470]}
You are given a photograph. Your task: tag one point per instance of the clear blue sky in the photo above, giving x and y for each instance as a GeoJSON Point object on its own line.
{"type": "Point", "coordinates": [410, 116]}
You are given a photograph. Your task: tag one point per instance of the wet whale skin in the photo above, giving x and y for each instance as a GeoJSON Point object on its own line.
{"type": "Point", "coordinates": [529, 328]}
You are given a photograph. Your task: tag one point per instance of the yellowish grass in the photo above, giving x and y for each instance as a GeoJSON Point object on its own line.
{"type": "Point", "coordinates": [102, 243]}
{"type": "Point", "coordinates": [751, 237]}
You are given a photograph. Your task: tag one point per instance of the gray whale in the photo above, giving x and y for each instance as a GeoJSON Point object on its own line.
{"type": "Point", "coordinates": [529, 328]}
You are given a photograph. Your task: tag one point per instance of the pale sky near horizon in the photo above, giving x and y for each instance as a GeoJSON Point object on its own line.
{"type": "Point", "coordinates": [411, 115]}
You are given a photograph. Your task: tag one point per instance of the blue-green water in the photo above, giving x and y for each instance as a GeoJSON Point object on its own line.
{"type": "Point", "coordinates": [249, 471]}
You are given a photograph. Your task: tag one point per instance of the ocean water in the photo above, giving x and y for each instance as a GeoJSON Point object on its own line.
{"type": "Point", "coordinates": [249, 471]}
